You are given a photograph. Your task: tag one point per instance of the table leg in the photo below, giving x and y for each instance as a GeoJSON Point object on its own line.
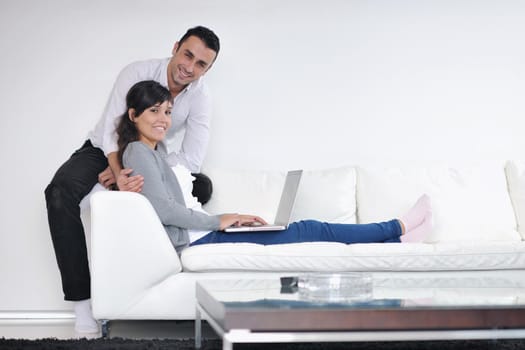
{"type": "Point", "coordinates": [226, 344]}
{"type": "Point", "coordinates": [198, 329]}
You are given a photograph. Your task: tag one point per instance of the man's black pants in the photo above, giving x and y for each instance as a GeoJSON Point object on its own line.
{"type": "Point", "coordinates": [72, 182]}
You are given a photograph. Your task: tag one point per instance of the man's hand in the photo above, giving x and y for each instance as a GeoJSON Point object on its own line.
{"type": "Point", "coordinates": [228, 220]}
{"type": "Point", "coordinates": [106, 178]}
{"type": "Point", "coordinates": [129, 183]}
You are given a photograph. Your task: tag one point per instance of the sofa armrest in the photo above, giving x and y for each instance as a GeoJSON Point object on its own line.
{"type": "Point", "coordinates": [130, 251]}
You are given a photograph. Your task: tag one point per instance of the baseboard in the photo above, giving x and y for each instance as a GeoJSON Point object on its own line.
{"type": "Point", "coordinates": [35, 317]}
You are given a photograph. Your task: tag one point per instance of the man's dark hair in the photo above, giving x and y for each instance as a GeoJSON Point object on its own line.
{"type": "Point", "coordinates": [206, 35]}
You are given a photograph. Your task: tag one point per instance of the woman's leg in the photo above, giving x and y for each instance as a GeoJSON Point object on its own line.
{"type": "Point", "coordinates": [413, 227]}
{"type": "Point", "coordinates": [310, 231]}
{"type": "Point", "coordinates": [313, 231]}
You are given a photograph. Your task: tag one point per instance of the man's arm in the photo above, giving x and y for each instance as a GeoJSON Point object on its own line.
{"type": "Point", "coordinates": [116, 105]}
{"type": "Point", "coordinates": [124, 181]}
{"type": "Point", "coordinates": [115, 175]}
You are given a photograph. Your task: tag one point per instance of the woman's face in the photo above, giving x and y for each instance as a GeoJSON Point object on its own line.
{"type": "Point", "coordinates": [153, 123]}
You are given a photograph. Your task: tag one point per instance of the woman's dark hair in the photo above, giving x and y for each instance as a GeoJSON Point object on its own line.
{"type": "Point", "coordinates": [141, 96]}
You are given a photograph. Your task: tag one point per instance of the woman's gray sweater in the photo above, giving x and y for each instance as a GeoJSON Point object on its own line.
{"type": "Point", "coordinates": [163, 191]}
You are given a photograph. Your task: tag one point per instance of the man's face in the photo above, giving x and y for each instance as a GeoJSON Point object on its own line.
{"type": "Point", "coordinates": [189, 62]}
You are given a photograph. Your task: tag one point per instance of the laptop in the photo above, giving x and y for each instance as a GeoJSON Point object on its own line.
{"type": "Point", "coordinates": [284, 212]}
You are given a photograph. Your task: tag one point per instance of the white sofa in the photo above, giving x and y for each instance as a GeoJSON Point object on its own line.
{"type": "Point", "coordinates": [479, 216]}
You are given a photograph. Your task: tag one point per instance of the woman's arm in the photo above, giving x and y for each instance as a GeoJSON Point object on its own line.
{"type": "Point", "coordinates": [168, 202]}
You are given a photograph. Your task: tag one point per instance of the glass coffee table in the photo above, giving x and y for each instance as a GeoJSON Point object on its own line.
{"type": "Point", "coordinates": [388, 307]}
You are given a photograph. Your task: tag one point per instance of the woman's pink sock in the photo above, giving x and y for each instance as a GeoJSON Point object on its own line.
{"type": "Point", "coordinates": [419, 233]}
{"type": "Point", "coordinates": [416, 215]}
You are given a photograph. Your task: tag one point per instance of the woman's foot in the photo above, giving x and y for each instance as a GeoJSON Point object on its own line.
{"type": "Point", "coordinates": [84, 321]}
{"type": "Point", "coordinates": [416, 215]}
{"type": "Point", "coordinates": [419, 233]}
{"type": "Point", "coordinates": [417, 222]}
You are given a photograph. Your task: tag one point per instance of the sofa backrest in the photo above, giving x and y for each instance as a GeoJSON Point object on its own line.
{"type": "Point", "coordinates": [470, 203]}
{"type": "Point", "coordinates": [325, 195]}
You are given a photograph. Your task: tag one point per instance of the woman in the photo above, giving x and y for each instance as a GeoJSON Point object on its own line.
{"type": "Point", "coordinates": [145, 124]}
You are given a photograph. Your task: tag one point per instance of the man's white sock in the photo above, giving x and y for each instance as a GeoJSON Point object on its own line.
{"type": "Point", "coordinates": [84, 321]}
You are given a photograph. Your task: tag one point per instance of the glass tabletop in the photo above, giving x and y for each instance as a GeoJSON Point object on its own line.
{"type": "Point", "coordinates": [411, 302]}
{"type": "Point", "coordinates": [436, 290]}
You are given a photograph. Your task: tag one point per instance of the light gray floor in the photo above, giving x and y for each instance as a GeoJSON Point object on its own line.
{"type": "Point", "coordinates": [64, 329]}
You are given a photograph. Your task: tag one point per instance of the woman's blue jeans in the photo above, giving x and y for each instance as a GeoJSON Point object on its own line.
{"type": "Point", "coordinates": [313, 231]}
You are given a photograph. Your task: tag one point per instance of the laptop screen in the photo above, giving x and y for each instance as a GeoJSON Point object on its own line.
{"type": "Point", "coordinates": [291, 184]}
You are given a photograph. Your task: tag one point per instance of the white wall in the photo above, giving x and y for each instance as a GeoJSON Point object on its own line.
{"type": "Point", "coordinates": [347, 82]}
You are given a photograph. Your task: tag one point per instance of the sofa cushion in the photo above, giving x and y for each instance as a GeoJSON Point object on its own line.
{"type": "Point", "coordinates": [515, 171]}
{"type": "Point", "coordinates": [331, 257]}
{"type": "Point", "coordinates": [325, 195]}
{"type": "Point", "coordinates": [469, 204]}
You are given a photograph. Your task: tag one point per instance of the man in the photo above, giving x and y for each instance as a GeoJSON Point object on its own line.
{"type": "Point", "coordinates": [192, 56]}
